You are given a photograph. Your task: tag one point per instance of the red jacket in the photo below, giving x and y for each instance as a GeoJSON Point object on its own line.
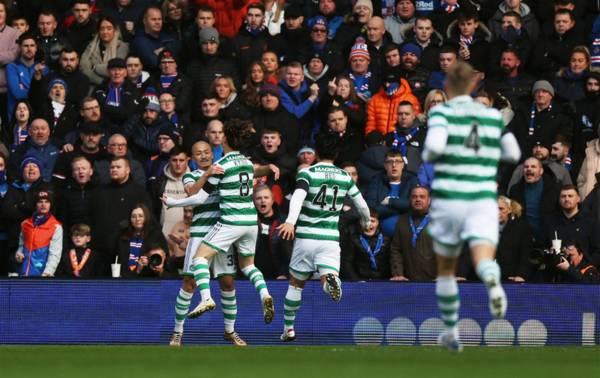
{"type": "Point", "coordinates": [229, 14]}
{"type": "Point", "coordinates": [382, 109]}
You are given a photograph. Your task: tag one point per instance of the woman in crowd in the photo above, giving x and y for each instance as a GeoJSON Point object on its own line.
{"type": "Point", "coordinates": [515, 243]}
{"type": "Point", "coordinates": [141, 233]}
{"type": "Point", "coordinates": [569, 84]}
{"type": "Point", "coordinates": [434, 97]}
{"type": "Point", "coordinates": [254, 80]}
{"type": "Point", "coordinates": [106, 45]}
{"type": "Point", "coordinates": [176, 17]}
{"type": "Point", "coordinates": [19, 123]}
{"type": "Point", "coordinates": [341, 93]}
{"type": "Point", "coordinates": [271, 62]}
{"type": "Point", "coordinates": [231, 104]}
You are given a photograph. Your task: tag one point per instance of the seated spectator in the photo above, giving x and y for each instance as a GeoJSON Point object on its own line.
{"type": "Point", "coordinates": [178, 239]}
{"type": "Point", "coordinates": [273, 253]}
{"type": "Point", "coordinates": [254, 81]}
{"type": "Point", "coordinates": [231, 105]}
{"type": "Point", "coordinates": [79, 259]}
{"type": "Point", "coordinates": [576, 268]}
{"type": "Point", "coordinates": [471, 38]}
{"type": "Point", "coordinates": [106, 45]}
{"type": "Point", "coordinates": [19, 124]}
{"type": "Point", "coordinates": [411, 252]}
{"type": "Point", "coordinates": [38, 145]}
{"type": "Point", "coordinates": [137, 239]}
{"type": "Point", "coordinates": [117, 147]}
{"type": "Point", "coordinates": [511, 81]}
{"type": "Point", "coordinates": [515, 242]}
{"type": "Point", "coordinates": [135, 72]}
{"type": "Point", "coordinates": [142, 130]}
{"type": "Point", "coordinates": [117, 96]}
{"type": "Point", "coordinates": [106, 220]}
{"type": "Point", "coordinates": [168, 108]}
{"type": "Point", "coordinates": [571, 223]}
{"type": "Point", "coordinates": [389, 193]}
{"type": "Point", "coordinates": [171, 79]}
{"type": "Point", "coordinates": [447, 57]}
{"type": "Point", "coordinates": [512, 36]}
{"type": "Point", "coordinates": [149, 42]}
{"type": "Point", "coordinates": [306, 157]}
{"type": "Point", "coordinates": [75, 206]}
{"type": "Point", "coordinates": [569, 83]}
{"type": "Point", "coordinates": [170, 184]}
{"type": "Point", "coordinates": [91, 112]}
{"type": "Point", "coordinates": [365, 77]}
{"type": "Point", "coordinates": [408, 138]}
{"type": "Point", "coordinates": [393, 91]}
{"type": "Point", "coordinates": [367, 253]}
{"type": "Point", "coordinates": [341, 93]}
{"type": "Point", "coordinates": [40, 240]}
{"type": "Point", "coordinates": [349, 140]}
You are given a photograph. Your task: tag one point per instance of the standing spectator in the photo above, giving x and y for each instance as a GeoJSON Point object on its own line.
{"type": "Point", "coordinates": [178, 239]}
{"type": "Point", "coordinates": [76, 195]}
{"type": "Point", "coordinates": [50, 42]}
{"type": "Point", "coordinates": [381, 116]}
{"type": "Point", "coordinates": [228, 14]}
{"type": "Point", "coordinates": [271, 63]}
{"type": "Point", "coordinates": [38, 145]}
{"type": "Point", "coordinates": [515, 243]}
{"type": "Point", "coordinates": [214, 136]}
{"type": "Point", "coordinates": [180, 121]}
{"type": "Point", "coordinates": [364, 76]}
{"type": "Point", "coordinates": [8, 53]}
{"type": "Point", "coordinates": [143, 131]}
{"type": "Point", "coordinates": [290, 44]}
{"type": "Point", "coordinates": [117, 147]}
{"type": "Point", "coordinates": [402, 20]}
{"type": "Point", "coordinates": [349, 140]}
{"type": "Point", "coordinates": [170, 183]}
{"type": "Point", "coordinates": [413, 71]}
{"type": "Point", "coordinates": [209, 111]}
{"type": "Point", "coordinates": [587, 178]}
{"type": "Point", "coordinates": [231, 104]}
{"type": "Point", "coordinates": [252, 39]}
{"type": "Point", "coordinates": [341, 93]}
{"type": "Point", "coordinates": [512, 81]}
{"type": "Point", "coordinates": [176, 17]}
{"type": "Point", "coordinates": [570, 82]}
{"type": "Point", "coordinates": [135, 72]}
{"type": "Point", "coordinates": [411, 252]}
{"type": "Point", "coordinates": [430, 41]}
{"type": "Point", "coordinates": [274, 15]}
{"type": "Point", "coordinates": [272, 251]}
{"type": "Point", "coordinates": [40, 240]}
{"type": "Point", "coordinates": [445, 14]}
{"type": "Point", "coordinates": [149, 42]}
{"type": "Point", "coordinates": [171, 80]}
{"type": "Point", "coordinates": [118, 97]}
{"type": "Point", "coordinates": [513, 36]}
{"type": "Point", "coordinates": [354, 24]}
{"type": "Point", "coordinates": [18, 128]}
{"type": "Point", "coordinates": [254, 81]}
{"type": "Point", "coordinates": [408, 136]}
{"type": "Point", "coordinates": [317, 71]}
{"type": "Point", "coordinates": [322, 45]}
{"type": "Point", "coordinates": [377, 39]}
{"type": "Point", "coordinates": [20, 23]}
{"type": "Point", "coordinates": [20, 72]}
{"type": "Point", "coordinates": [104, 46]}
{"type": "Point", "coordinates": [586, 109]}
{"type": "Point", "coordinates": [389, 193]}
{"type": "Point", "coordinates": [82, 30]}
{"type": "Point", "coordinates": [329, 10]}
{"type": "Point", "coordinates": [448, 56]}
{"type": "Point", "coordinates": [78, 259]}
{"type": "Point", "coordinates": [530, 23]}
{"type": "Point", "coordinates": [123, 194]}
{"type": "Point", "coordinates": [472, 39]}
{"type": "Point", "coordinates": [127, 13]}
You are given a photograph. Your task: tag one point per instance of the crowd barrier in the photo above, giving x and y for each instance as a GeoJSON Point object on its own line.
{"type": "Point", "coordinates": [373, 313]}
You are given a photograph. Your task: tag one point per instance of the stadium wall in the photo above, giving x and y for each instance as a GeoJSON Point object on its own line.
{"type": "Point", "coordinates": [374, 313]}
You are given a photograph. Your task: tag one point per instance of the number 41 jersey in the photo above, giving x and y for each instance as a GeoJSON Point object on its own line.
{"type": "Point", "coordinates": [235, 190]}
{"type": "Point", "coordinates": [328, 185]}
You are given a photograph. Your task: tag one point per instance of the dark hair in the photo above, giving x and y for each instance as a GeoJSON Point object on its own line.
{"type": "Point", "coordinates": [335, 109]}
{"type": "Point", "coordinates": [327, 146]}
{"type": "Point", "coordinates": [124, 158]}
{"type": "Point", "coordinates": [447, 49]}
{"type": "Point", "coordinates": [405, 103]}
{"type": "Point", "coordinates": [467, 15]}
{"type": "Point", "coordinates": [25, 36]}
{"type": "Point", "coordinates": [564, 11]}
{"type": "Point", "coordinates": [373, 212]}
{"type": "Point", "coordinates": [68, 50]}
{"type": "Point", "coordinates": [249, 91]}
{"type": "Point", "coordinates": [239, 134]}
{"type": "Point", "coordinates": [86, 2]}
{"type": "Point", "coordinates": [560, 138]}
{"type": "Point", "coordinates": [87, 99]}
{"type": "Point", "coordinates": [393, 153]}
{"type": "Point", "coordinates": [270, 130]}
{"type": "Point", "coordinates": [108, 19]}
{"type": "Point", "coordinates": [129, 231]}
{"type": "Point", "coordinates": [423, 18]}
{"type": "Point", "coordinates": [347, 164]}
{"type": "Point", "coordinates": [258, 6]}
{"type": "Point", "coordinates": [513, 14]}
{"type": "Point", "coordinates": [14, 114]}
{"type": "Point", "coordinates": [513, 51]}
{"type": "Point", "coordinates": [176, 150]}
{"type": "Point", "coordinates": [390, 47]}
{"type": "Point", "coordinates": [47, 12]}
{"type": "Point", "coordinates": [204, 8]}
{"type": "Point", "coordinates": [569, 187]}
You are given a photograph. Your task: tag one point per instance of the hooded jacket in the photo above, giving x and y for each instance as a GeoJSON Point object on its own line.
{"type": "Point", "coordinates": [528, 21]}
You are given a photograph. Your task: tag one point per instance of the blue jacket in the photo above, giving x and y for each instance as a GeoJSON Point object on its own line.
{"type": "Point", "coordinates": [144, 46]}
{"type": "Point", "coordinates": [18, 82]}
{"type": "Point", "coordinates": [436, 80]}
{"type": "Point", "coordinates": [379, 188]}
{"type": "Point", "coordinates": [296, 102]}
{"type": "Point", "coordinates": [47, 155]}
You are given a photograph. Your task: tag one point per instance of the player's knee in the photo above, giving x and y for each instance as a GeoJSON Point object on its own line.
{"type": "Point", "coordinates": [188, 284]}
{"type": "Point", "coordinates": [227, 283]}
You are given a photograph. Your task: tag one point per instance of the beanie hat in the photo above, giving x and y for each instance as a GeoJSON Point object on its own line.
{"type": "Point", "coordinates": [31, 159]}
{"type": "Point", "coordinates": [44, 195]}
{"type": "Point", "coordinates": [542, 85]}
{"type": "Point", "coordinates": [57, 81]}
{"type": "Point", "coordinates": [208, 35]}
{"type": "Point", "coordinates": [317, 20]}
{"type": "Point", "coordinates": [359, 49]}
{"type": "Point", "coordinates": [166, 54]}
{"type": "Point", "coordinates": [412, 48]}
{"type": "Point", "coordinates": [366, 3]}
{"type": "Point", "coordinates": [170, 132]}
{"type": "Point", "coordinates": [306, 149]}
{"type": "Point", "coordinates": [269, 88]}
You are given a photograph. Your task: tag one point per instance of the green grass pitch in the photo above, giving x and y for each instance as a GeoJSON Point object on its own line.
{"type": "Point", "coordinates": [291, 361]}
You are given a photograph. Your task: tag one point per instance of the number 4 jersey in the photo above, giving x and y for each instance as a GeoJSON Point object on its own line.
{"type": "Point", "coordinates": [326, 186]}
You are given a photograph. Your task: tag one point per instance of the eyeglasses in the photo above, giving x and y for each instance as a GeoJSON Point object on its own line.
{"type": "Point", "coordinates": [319, 30]}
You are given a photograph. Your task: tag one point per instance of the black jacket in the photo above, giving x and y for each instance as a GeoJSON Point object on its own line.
{"type": "Point", "coordinates": [552, 52]}
{"type": "Point", "coordinates": [75, 205]}
{"type": "Point", "coordinates": [152, 237]}
{"type": "Point", "coordinates": [142, 137]}
{"type": "Point", "coordinates": [582, 228]}
{"type": "Point", "coordinates": [248, 48]}
{"type": "Point", "coordinates": [514, 248]}
{"type": "Point", "coordinates": [516, 91]}
{"type": "Point", "coordinates": [130, 101]}
{"type": "Point", "coordinates": [181, 88]}
{"type": "Point", "coordinates": [356, 265]}
{"type": "Point", "coordinates": [284, 161]}
{"type": "Point", "coordinates": [291, 45]}
{"type": "Point", "coordinates": [78, 84]}
{"type": "Point", "coordinates": [272, 252]}
{"type": "Point", "coordinates": [280, 120]}
{"type": "Point", "coordinates": [205, 69]}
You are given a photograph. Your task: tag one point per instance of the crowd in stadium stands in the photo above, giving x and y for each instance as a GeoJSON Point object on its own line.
{"type": "Point", "coordinates": [103, 104]}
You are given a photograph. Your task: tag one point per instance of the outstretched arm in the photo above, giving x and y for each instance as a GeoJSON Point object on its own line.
{"type": "Point", "coordinates": [286, 230]}
{"type": "Point", "coordinates": [363, 210]}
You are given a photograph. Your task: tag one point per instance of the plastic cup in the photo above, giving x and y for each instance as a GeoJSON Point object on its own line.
{"type": "Point", "coordinates": [556, 245]}
{"type": "Point", "coordinates": [116, 270]}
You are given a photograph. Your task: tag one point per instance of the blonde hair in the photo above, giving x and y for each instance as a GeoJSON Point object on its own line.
{"type": "Point", "coordinates": [516, 209]}
{"type": "Point", "coordinates": [430, 96]}
{"type": "Point", "coordinates": [460, 77]}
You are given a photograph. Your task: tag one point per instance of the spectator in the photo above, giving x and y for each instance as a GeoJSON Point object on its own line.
{"type": "Point", "coordinates": [8, 53]}
{"type": "Point", "coordinates": [515, 243]}
{"type": "Point", "coordinates": [341, 93]}
{"type": "Point", "coordinates": [204, 18]}
{"type": "Point", "coordinates": [118, 97]}
{"type": "Point", "coordinates": [587, 178]}
{"type": "Point", "coordinates": [394, 91]}
{"type": "Point", "coordinates": [324, 46]}
{"type": "Point", "coordinates": [178, 239]}
{"type": "Point", "coordinates": [176, 18]}
{"type": "Point", "coordinates": [584, 128]}
{"type": "Point", "coordinates": [317, 71]}
{"type": "Point", "coordinates": [364, 76]}
{"type": "Point", "coordinates": [104, 46]}
{"type": "Point", "coordinates": [273, 253]}
{"type": "Point", "coordinates": [214, 137]}
{"type": "Point", "coordinates": [471, 38]}
{"type": "Point", "coordinates": [513, 36]}
{"type": "Point", "coordinates": [106, 219]}
{"type": "Point", "coordinates": [408, 137]}
{"type": "Point", "coordinates": [49, 41]}
{"type": "Point", "coordinates": [569, 83]}
{"type": "Point", "coordinates": [170, 183]}
{"type": "Point", "coordinates": [349, 214]}
{"type": "Point", "coordinates": [434, 97]}
{"type": "Point", "coordinates": [389, 193]}
{"type": "Point", "coordinates": [290, 44]}
{"type": "Point", "coordinates": [40, 240]}
{"type": "Point", "coordinates": [349, 140]}
{"type": "Point", "coordinates": [126, 13]}
{"type": "Point", "coordinates": [38, 145]}
{"type": "Point", "coordinates": [512, 82]}
{"type": "Point", "coordinates": [329, 10]}
{"type": "Point", "coordinates": [152, 40]}
{"type": "Point", "coordinates": [273, 116]}
{"type": "Point", "coordinates": [402, 20]}
{"type": "Point", "coordinates": [171, 80]}
{"type": "Point", "coordinates": [576, 268]}
{"type": "Point", "coordinates": [4, 254]}
{"type": "Point", "coordinates": [135, 72]}
{"type": "Point", "coordinates": [411, 252]}
{"type": "Point", "coordinates": [210, 64]}
{"type": "Point", "coordinates": [76, 194]}
{"type": "Point", "coordinates": [306, 157]}
{"type": "Point", "coordinates": [561, 153]}
{"type": "Point", "coordinates": [168, 110]}
{"type": "Point", "coordinates": [367, 255]}
{"type": "Point", "coordinates": [117, 147]}
{"type": "Point", "coordinates": [414, 73]}
{"type": "Point", "coordinates": [68, 70]}
{"type": "Point", "coordinates": [20, 23]}
{"type": "Point", "coordinates": [19, 124]}
{"type": "Point", "coordinates": [377, 38]}
{"type": "Point", "coordinates": [252, 39]}
{"type": "Point", "coordinates": [254, 80]}
{"type": "Point", "coordinates": [232, 105]}
{"type": "Point", "coordinates": [527, 18]}
{"type": "Point", "coordinates": [80, 33]}
{"type": "Point", "coordinates": [428, 39]}
{"type": "Point", "coordinates": [448, 56]}
{"type": "Point", "coordinates": [140, 236]}
{"type": "Point", "coordinates": [353, 24]}
{"type": "Point", "coordinates": [209, 111]}
{"type": "Point", "coordinates": [20, 72]}
{"type": "Point", "coordinates": [271, 62]}
{"type": "Point", "coordinates": [371, 160]}
{"type": "Point", "coordinates": [79, 260]}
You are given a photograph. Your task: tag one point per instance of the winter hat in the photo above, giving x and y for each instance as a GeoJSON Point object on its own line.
{"type": "Point", "coordinates": [269, 88]}
{"type": "Point", "coordinates": [306, 149]}
{"type": "Point", "coordinates": [208, 35]}
{"type": "Point", "coordinates": [292, 12]}
{"type": "Point", "coordinates": [544, 142]}
{"type": "Point", "coordinates": [317, 56]}
{"type": "Point", "coordinates": [412, 48]}
{"type": "Point", "coordinates": [153, 105]}
{"type": "Point", "coordinates": [318, 20]}
{"type": "Point", "coordinates": [170, 132]}
{"type": "Point", "coordinates": [542, 85]}
{"type": "Point", "coordinates": [359, 49]}
{"type": "Point", "coordinates": [117, 63]}
{"type": "Point", "coordinates": [31, 159]}
{"type": "Point", "coordinates": [391, 77]}
{"type": "Point", "coordinates": [44, 195]}
{"type": "Point", "coordinates": [58, 81]}
{"type": "Point", "coordinates": [166, 54]}
{"type": "Point", "coordinates": [366, 3]}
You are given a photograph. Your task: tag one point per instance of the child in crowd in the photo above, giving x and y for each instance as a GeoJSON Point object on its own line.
{"type": "Point", "coordinates": [80, 260]}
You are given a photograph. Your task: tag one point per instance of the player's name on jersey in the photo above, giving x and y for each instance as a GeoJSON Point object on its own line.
{"type": "Point", "coordinates": [326, 169]}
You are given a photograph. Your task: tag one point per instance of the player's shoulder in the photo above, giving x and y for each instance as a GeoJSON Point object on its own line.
{"type": "Point", "coordinates": [193, 175]}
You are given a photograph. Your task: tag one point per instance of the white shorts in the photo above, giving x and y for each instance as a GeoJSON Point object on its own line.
{"type": "Point", "coordinates": [455, 222]}
{"type": "Point", "coordinates": [311, 256]}
{"type": "Point", "coordinates": [221, 264]}
{"type": "Point", "coordinates": [222, 236]}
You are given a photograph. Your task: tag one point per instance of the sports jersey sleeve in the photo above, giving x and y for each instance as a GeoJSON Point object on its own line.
{"type": "Point", "coordinates": [296, 204]}
{"type": "Point", "coordinates": [435, 143]}
{"type": "Point", "coordinates": [190, 178]}
{"type": "Point", "coordinates": [511, 153]}
{"type": "Point", "coordinates": [303, 176]}
{"type": "Point", "coordinates": [197, 199]}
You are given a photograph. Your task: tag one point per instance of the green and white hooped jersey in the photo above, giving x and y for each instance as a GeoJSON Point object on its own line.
{"type": "Point", "coordinates": [328, 185]}
{"type": "Point", "coordinates": [205, 215]}
{"type": "Point", "coordinates": [467, 168]}
{"type": "Point", "coordinates": [234, 189]}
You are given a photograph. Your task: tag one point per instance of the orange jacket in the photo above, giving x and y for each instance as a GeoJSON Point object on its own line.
{"type": "Point", "coordinates": [229, 14]}
{"type": "Point", "coordinates": [382, 109]}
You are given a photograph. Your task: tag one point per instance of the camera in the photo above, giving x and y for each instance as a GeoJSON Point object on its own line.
{"type": "Point", "coordinates": [155, 260]}
{"type": "Point", "coordinates": [552, 257]}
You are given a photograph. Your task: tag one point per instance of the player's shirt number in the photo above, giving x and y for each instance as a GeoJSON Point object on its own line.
{"type": "Point", "coordinates": [321, 197]}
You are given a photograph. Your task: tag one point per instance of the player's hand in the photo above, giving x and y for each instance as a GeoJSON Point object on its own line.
{"type": "Point", "coordinates": [19, 257]}
{"type": "Point", "coordinates": [165, 200]}
{"type": "Point", "coordinates": [176, 239]}
{"type": "Point", "coordinates": [516, 279]}
{"type": "Point", "coordinates": [47, 274]}
{"type": "Point", "coordinates": [275, 170]}
{"type": "Point", "coordinates": [214, 170]}
{"type": "Point", "coordinates": [286, 231]}
{"type": "Point", "coordinates": [399, 278]}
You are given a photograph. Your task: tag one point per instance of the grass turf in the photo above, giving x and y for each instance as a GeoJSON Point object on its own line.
{"type": "Point", "coordinates": [291, 361]}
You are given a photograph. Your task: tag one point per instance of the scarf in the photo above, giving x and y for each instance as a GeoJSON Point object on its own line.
{"type": "Point", "coordinates": [135, 249]}
{"type": "Point", "coordinates": [448, 8]}
{"type": "Point", "coordinates": [416, 231]}
{"type": "Point", "coordinates": [166, 81]}
{"type": "Point", "coordinates": [573, 76]}
{"type": "Point", "coordinates": [392, 88]}
{"type": "Point", "coordinates": [401, 141]}
{"type": "Point", "coordinates": [19, 136]}
{"type": "Point", "coordinates": [39, 219]}
{"type": "Point", "coordinates": [78, 266]}
{"type": "Point", "coordinates": [113, 95]}
{"type": "Point", "coordinates": [372, 252]}
{"type": "Point", "coordinates": [255, 32]}
{"type": "Point", "coordinates": [361, 83]}
{"type": "Point", "coordinates": [467, 40]}
{"type": "Point", "coordinates": [532, 118]}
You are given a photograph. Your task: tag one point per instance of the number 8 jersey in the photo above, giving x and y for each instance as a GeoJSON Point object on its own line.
{"type": "Point", "coordinates": [235, 190]}
{"type": "Point", "coordinates": [326, 186]}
